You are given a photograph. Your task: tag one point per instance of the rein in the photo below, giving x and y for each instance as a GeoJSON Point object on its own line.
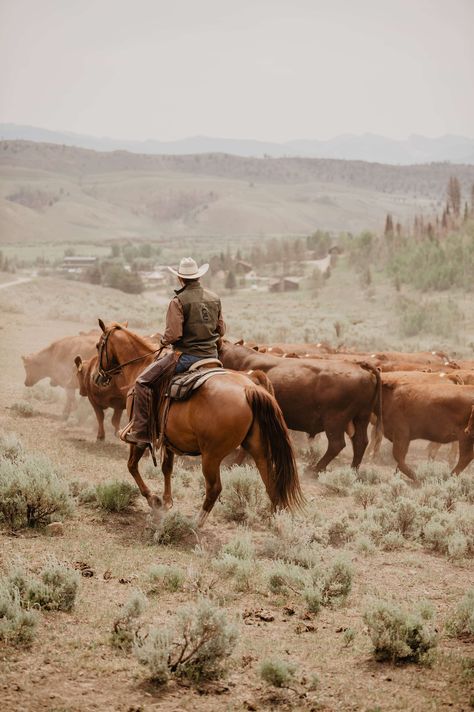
{"type": "Point", "coordinates": [105, 373]}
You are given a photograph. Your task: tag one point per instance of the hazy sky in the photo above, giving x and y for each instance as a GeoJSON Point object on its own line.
{"type": "Point", "coordinates": [265, 69]}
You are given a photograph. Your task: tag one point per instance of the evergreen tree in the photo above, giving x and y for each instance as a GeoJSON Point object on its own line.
{"type": "Point", "coordinates": [454, 195]}
{"type": "Point", "coordinates": [388, 225]}
{"type": "Point", "coordinates": [231, 281]}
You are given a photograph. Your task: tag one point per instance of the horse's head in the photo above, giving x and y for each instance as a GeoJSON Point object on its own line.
{"type": "Point", "coordinates": [107, 359]}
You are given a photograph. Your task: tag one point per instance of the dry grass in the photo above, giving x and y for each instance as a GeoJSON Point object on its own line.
{"type": "Point", "coordinates": [390, 556]}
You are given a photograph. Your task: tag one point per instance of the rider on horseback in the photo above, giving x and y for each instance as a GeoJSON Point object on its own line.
{"type": "Point", "coordinates": [194, 323]}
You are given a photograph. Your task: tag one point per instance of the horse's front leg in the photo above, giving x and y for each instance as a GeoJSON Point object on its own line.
{"type": "Point", "coordinates": [153, 500]}
{"type": "Point", "coordinates": [167, 470]}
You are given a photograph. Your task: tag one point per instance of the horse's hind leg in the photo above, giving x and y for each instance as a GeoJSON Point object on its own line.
{"type": "Point", "coordinates": [167, 470]}
{"type": "Point", "coordinates": [211, 472]}
{"type": "Point", "coordinates": [134, 458]}
{"type": "Point", "coordinates": [253, 445]}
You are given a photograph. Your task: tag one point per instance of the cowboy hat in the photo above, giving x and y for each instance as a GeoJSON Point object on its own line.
{"type": "Point", "coordinates": [188, 269]}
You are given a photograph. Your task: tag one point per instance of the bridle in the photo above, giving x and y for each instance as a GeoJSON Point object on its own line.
{"type": "Point", "coordinates": [104, 374]}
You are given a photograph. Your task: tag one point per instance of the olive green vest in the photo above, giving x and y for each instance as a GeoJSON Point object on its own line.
{"type": "Point", "coordinates": [201, 313]}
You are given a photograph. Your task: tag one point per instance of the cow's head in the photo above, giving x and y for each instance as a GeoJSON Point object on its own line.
{"type": "Point", "coordinates": [80, 375]}
{"type": "Point", "coordinates": [34, 371]}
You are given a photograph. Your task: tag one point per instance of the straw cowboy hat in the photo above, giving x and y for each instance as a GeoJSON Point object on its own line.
{"type": "Point", "coordinates": [188, 269]}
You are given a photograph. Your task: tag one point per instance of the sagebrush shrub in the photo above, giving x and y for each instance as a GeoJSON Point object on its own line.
{"type": "Point", "coordinates": [175, 529]}
{"type": "Point", "coordinates": [240, 546]}
{"type": "Point", "coordinates": [55, 588]}
{"type": "Point", "coordinates": [398, 635]}
{"type": "Point", "coordinates": [337, 582]}
{"type": "Point", "coordinates": [31, 492]}
{"type": "Point", "coordinates": [23, 408]}
{"type": "Point", "coordinates": [115, 496]}
{"type": "Point", "coordinates": [365, 545]}
{"type": "Point", "coordinates": [11, 447]}
{"type": "Point", "coordinates": [364, 494]}
{"type": "Point", "coordinates": [244, 572]}
{"type": "Point", "coordinates": [125, 626]}
{"type": "Point", "coordinates": [368, 476]}
{"type": "Point", "coordinates": [340, 531]}
{"type": "Point", "coordinates": [338, 481]}
{"type": "Point", "coordinates": [277, 672]}
{"type": "Point", "coordinates": [17, 626]}
{"type": "Point", "coordinates": [42, 392]}
{"type": "Point", "coordinates": [311, 456]}
{"type": "Point", "coordinates": [168, 577]}
{"type": "Point", "coordinates": [195, 647]}
{"type": "Point", "coordinates": [243, 498]}
{"type": "Point", "coordinates": [465, 487]}
{"type": "Point", "coordinates": [460, 624]}
{"type": "Point", "coordinates": [292, 541]}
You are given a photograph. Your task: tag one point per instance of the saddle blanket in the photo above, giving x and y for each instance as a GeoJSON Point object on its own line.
{"type": "Point", "coordinates": [183, 385]}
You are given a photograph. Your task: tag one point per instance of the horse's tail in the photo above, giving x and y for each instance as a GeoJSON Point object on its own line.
{"type": "Point", "coordinates": [277, 447]}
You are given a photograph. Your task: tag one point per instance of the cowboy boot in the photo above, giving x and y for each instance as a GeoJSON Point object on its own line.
{"type": "Point", "coordinates": [140, 433]}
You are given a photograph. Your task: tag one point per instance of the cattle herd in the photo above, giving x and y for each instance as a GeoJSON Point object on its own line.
{"type": "Point", "coordinates": [405, 396]}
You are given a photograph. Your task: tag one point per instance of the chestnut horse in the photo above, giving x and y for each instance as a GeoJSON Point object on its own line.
{"type": "Point", "coordinates": [227, 411]}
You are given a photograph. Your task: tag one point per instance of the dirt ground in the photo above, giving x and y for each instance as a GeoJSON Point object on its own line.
{"type": "Point", "coordinates": [71, 666]}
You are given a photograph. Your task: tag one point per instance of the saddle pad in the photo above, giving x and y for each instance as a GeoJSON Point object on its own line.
{"type": "Point", "coordinates": [183, 385]}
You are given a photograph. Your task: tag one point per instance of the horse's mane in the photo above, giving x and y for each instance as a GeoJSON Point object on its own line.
{"type": "Point", "coordinates": [142, 341]}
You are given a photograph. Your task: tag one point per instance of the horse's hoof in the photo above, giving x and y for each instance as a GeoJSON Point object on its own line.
{"type": "Point", "coordinates": [168, 503]}
{"type": "Point", "coordinates": [100, 438]}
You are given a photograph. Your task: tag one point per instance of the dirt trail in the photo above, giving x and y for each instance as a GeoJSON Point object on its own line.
{"type": "Point", "coordinates": [22, 280]}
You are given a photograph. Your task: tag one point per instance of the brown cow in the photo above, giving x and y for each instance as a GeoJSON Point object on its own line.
{"type": "Point", "coordinates": [426, 411]}
{"type": "Point", "coordinates": [113, 395]}
{"type": "Point", "coordinates": [400, 377]}
{"type": "Point", "coordinates": [55, 362]}
{"type": "Point", "coordinates": [317, 395]}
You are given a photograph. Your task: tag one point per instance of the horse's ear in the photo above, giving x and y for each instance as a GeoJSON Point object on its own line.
{"type": "Point", "coordinates": [102, 325]}
{"type": "Point", "coordinates": [78, 362]}
{"type": "Point", "coordinates": [23, 358]}
{"type": "Point", "coordinates": [240, 342]}
{"type": "Point", "coordinates": [125, 324]}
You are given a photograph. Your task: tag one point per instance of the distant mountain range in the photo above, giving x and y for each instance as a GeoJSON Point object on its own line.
{"type": "Point", "coordinates": [367, 147]}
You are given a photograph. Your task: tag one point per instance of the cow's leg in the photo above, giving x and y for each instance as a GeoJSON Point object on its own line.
{"type": "Point", "coordinates": [70, 402]}
{"type": "Point", "coordinates": [359, 441]}
{"type": "Point", "coordinates": [466, 454]}
{"type": "Point", "coordinates": [336, 443]}
{"type": "Point", "coordinates": [211, 472]}
{"type": "Point", "coordinates": [401, 443]}
{"type": "Point", "coordinates": [153, 500]}
{"type": "Point", "coordinates": [453, 453]}
{"type": "Point", "coordinates": [432, 450]}
{"type": "Point", "coordinates": [99, 414]}
{"type": "Point", "coordinates": [167, 470]}
{"type": "Point", "coordinates": [116, 417]}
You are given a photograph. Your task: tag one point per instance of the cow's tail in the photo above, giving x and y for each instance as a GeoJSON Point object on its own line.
{"type": "Point", "coordinates": [376, 403]}
{"type": "Point", "coordinates": [469, 430]}
{"type": "Point", "coordinates": [261, 379]}
{"type": "Point", "coordinates": [282, 471]}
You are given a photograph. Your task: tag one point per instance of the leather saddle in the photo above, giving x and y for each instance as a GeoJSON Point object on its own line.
{"type": "Point", "coordinates": [183, 385]}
